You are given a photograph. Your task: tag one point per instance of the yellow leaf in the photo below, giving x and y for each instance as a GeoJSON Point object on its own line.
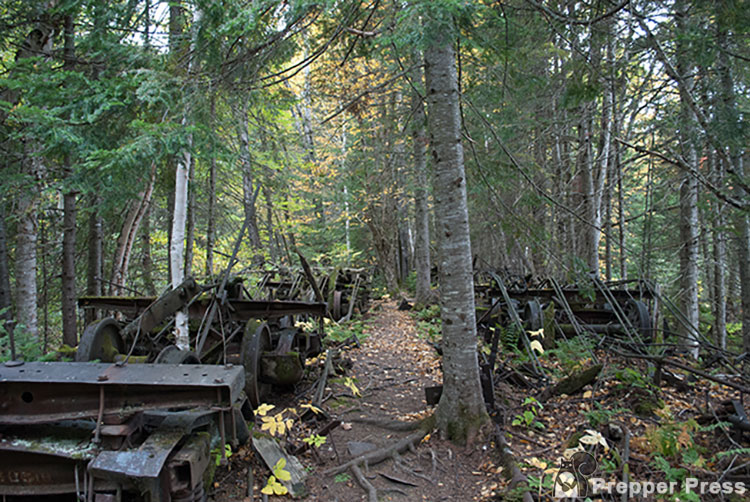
{"type": "Point", "coordinates": [263, 409]}
{"type": "Point", "coordinates": [537, 463]}
{"type": "Point", "coordinates": [587, 394]}
{"type": "Point", "coordinates": [284, 475]}
{"type": "Point", "coordinates": [539, 333]}
{"type": "Point", "coordinates": [537, 345]}
{"type": "Point", "coordinates": [312, 408]}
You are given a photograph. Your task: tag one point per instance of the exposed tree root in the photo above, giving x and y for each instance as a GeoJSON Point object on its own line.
{"type": "Point", "coordinates": [390, 424]}
{"type": "Point", "coordinates": [372, 494]}
{"type": "Point", "coordinates": [376, 456]}
{"type": "Point", "coordinates": [517, 479]}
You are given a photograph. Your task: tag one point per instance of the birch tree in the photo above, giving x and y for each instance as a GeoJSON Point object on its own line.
{"type": "Point", "coordinates": [461, 411]}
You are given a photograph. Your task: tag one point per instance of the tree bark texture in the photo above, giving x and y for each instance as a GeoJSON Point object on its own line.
{"type": "Point", "coordinates": [461, 411]}
{"type": "Point", "coordinates": [68, 298]}
{"type": "Point", "coordinates": [688, 193]}
{"type": "Point", "coordinates": [94, 268]}
{"type": "Point", "coordinates": [421, 208]}
{"type": "Point", "coordinates": [5, 292]}
{"type": "Point", "coordinates": [211, 224]}
{"type": "Point", "coordinates": [128, 235]}
{"type": "Point", "coordinates": [249, 192]}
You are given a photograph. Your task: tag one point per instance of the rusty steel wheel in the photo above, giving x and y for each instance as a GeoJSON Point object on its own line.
{"type": "Point", "coordinates": [171, 354]}
{"type": "Point", "coordinates": [100, 341]}
{"type": "Point", "coordinates": [637, 313]}
{"type": "Point", "coordinates": [257, 339]}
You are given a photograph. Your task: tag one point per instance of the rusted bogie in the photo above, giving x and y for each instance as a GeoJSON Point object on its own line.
{"type": "Point", "coordinates": [102, 432]}
{"type": "Point", "coordinates": [224, 328]}
{"type": "Point", "coordinates": [608, 309]}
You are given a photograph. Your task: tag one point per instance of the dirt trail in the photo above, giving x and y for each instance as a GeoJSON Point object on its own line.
{"type": "Point", "coordinates": [390, 370]}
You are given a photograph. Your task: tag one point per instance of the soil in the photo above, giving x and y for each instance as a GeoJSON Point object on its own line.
{"type": "Point", "coordinates": [390, 370]}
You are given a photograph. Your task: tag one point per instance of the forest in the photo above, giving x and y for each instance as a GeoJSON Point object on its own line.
{"type": "Point", "coordinates": [427, 142]}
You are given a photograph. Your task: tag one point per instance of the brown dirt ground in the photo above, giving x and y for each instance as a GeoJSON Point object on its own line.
{"type": "Point", "coordinates": [391, 369]}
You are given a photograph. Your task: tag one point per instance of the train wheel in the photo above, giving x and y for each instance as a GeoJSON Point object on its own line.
{"type": "Point", "coordinates": [171, 354]}
{"type": "Point", "coordinates": [257, 339]}
{"type": "Point", "coordinates": [101, 341]}
{"type": "Point", "coordinates": [637, 313]}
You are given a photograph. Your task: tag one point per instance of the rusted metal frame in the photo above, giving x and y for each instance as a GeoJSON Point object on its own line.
{"type": "Point", "coordinates": [99, 416]}
{"type": "Point", "coordinates": [569, 312]}
{"type": "Point", "coordinates": [353, 297]}
{"type": "Point", "coordinates": [517, 321]}
{"type": "Point", "coordinates": [29, 396]}
{"type": "Point", "coordinates": [220, 296]}
{"type": "Point", "coordinates": [630, 331]}
{"type": "Point", "coordinates": [215, 346]}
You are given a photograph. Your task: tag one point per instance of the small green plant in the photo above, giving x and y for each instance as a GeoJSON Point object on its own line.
{"type": "Point", "coordinates": [571, 353]}
{"type": "Point", "coordinates": [315, 441]}
{"type": "Point", "coordinates": [529, 417]}
{"type": "Point", "coordinates": [343, 331]}
{"type": "Point", "coordinates": [342, 477]}
{"type": "Point", "coordinates": [216, 452]}
{"type": "Point", "coordinates": [429, 324]}
{"type": "Point", "coordinates": [601, 415]}
{"type": "Point", "coordinates": [273, 487]}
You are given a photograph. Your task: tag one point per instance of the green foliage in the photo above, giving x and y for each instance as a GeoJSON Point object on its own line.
{"type": "Point", "coordinates": [601, 415]}
{"type": "Point", "coordinates": [528, 418]}
{"type": "Point", "coordinates": [316, 440]}
{"type": "Point", "coordinates": [343, 331]}
{"type": "Point", "coordinates": [571, 353]}
{"type": "Point", "coordinates": [342, 477]}
{"type": "Point", "coordinates": [216, 453]}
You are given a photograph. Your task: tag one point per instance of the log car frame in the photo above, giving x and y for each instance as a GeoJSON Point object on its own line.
{"type": "Point", "coordinates": [612, 308]}
{"type": "Point", "coordinates": [225, 327]}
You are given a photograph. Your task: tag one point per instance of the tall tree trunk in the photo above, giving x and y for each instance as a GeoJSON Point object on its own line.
{"type": "Point", "coordinates": [249, 191]}
{"type": "Point", "coordinates": [38, 42]}
{"type": "Point", "coordinates": [190, 237]}
{"type": "Point", "coordinates": [211, 225]}
{"type": "Point", "coordinates": [94, 269]}
{"type": "Point", "coordinates": [26, 249]}
{"type": "Point", "coordinates": [179, 216]}
{"type": "Point", "coordinates": [461, 411]}
{"type": "Point", "coordinates": [730, 117]}
{"type": "Point", "coordinates": [177, 249]}
{"type": "Point", "coordinates": [421, 208]}
{"type": "Point", "coordinates": [5, 292]}
{"type": "Point", "coordinates": [688, 190]}
{"type": "Point", "coordinates": [719, 265]}
{"type": "Point", "coordinates": [68, 298]}
{"type": "Point", "coordinates": [146, 261]}
{"type": "Point", "coordinates": [128, 235]}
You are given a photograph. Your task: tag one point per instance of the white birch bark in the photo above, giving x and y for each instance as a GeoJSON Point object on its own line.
{"type": "Point", "coordinates": [461, 410]}
{"type": "Point", "coordinates": [179, 216]}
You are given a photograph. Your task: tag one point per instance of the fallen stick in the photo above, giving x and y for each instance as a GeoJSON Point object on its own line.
{"type": "Point", "coordinates": [318, 399]}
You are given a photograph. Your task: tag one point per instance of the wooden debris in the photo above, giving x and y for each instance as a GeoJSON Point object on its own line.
{"type": "Point", "coordinates": [572, 383]}
{"type": "Point", "coordinates": [270, 451]}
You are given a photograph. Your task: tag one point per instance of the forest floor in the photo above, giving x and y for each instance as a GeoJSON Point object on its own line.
{"type": "Point", "coordinates": [621, 419]}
